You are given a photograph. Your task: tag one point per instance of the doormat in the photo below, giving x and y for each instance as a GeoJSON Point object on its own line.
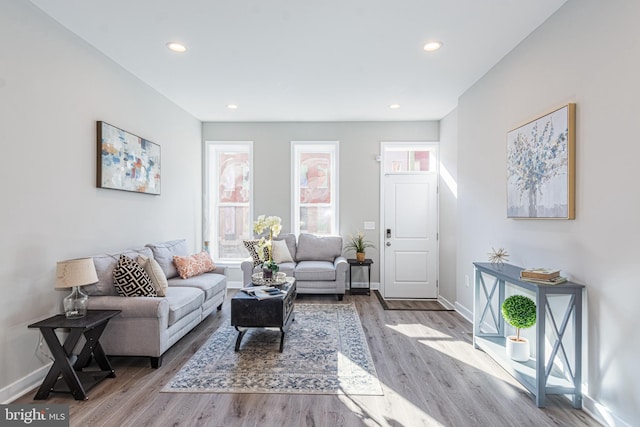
{"type": "Point", "coordinates": [410, 305]}
{"type": "Point", "coordinates": [325, 352]}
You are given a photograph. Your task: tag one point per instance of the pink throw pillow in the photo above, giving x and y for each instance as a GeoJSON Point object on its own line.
{"type": "Point", "coordinates": [189, 266]}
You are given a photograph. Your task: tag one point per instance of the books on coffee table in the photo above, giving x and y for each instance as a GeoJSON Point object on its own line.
{"type": "Point", "coordinates": [263, 292]}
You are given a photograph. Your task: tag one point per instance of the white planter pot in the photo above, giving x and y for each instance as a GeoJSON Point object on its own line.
{"type": "Point", "coordinates": [518, 350]}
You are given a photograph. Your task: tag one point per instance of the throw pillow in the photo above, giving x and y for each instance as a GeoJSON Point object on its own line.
{"type": "Point", "coordinates": [252, 247]}
{"type": "Point", "coordinates": [153, 269]}
{"type": "Point", "coordinates": [281, 252]}
{"type": "Point", "coordinates": [131, 280]}
{"type": "Point", "coordinates": [189, 266]}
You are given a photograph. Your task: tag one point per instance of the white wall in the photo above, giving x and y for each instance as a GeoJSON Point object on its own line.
{"type": "Point", "coordinates": [53, 89]}
{"type": "Point", "coordinates": [359, 143]}
{"type": "Point", "coordinates": [448, 205]}
{"type": "Point", "coordinates": [588, 53]}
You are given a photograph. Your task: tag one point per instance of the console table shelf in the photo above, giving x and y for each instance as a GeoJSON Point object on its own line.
{"type": "Point", "coordinates": [541, 376]}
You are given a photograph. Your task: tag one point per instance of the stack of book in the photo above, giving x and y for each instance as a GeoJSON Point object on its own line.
{"type": "Point", "coordinates": [544, 276]}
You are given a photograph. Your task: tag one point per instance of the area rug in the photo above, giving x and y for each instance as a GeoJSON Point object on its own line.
{"type": "Point", "coordinates": [410, 305]}
{"type": "Point", "coordinates": [325, 352]}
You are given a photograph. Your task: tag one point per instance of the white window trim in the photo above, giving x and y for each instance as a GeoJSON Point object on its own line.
{"type": "Point", "coordinates": [297, 147]}
{"type": "Point", "coordinates": [208, 232]}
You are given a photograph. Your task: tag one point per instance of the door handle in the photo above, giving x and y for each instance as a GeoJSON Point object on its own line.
{"type": "Point", "coordinates": [388, 243]}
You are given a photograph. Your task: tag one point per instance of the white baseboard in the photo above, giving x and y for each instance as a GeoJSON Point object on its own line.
{"type": "Point", "coordinates": [374, 285]}
{"type": "Point", "coordinates": [464, 312]}
{"type": "Point", "coordinates": [234, 284]}
{"type": "Point", "coordinates": [16, 389]}
{"type": "Point", "coordinates": [445, 303]}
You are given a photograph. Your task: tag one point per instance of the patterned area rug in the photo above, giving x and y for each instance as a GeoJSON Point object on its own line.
{"type": "Point", "coordinates": [325, 352]}
{"type": "Point", "coordinates": [410, 305]}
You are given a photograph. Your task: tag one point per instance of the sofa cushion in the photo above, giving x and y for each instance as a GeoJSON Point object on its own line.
{"type": "Point", "coordinates": [209, 283]}
{"type": "Point", "coordinates": [315, 270]}
{"type": "Point", "coordinates": [281, 252]}
{"type": "Point", "coordinates": [290, 240]}
{"type": "Point", "coordinates": [131, 280]}
{"type": "Point", "coordinates": [163, 253]}
{"type": "Point", "coordinates": [318, 248]}
{"type": "Point", "coordinates": [153, 269]}
{"type": "Point", "coordinates": [193, 265]}
{"type": "Point", "coordinates": [182, 301]}
{"type": "Point", "coordinates": [105, 263]}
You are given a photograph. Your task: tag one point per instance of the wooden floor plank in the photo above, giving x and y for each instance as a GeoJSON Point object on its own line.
{"type": "Point", "coordinates": [429, 371]}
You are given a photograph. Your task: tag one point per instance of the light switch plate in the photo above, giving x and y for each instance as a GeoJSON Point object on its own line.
{"type": "Point", "coordinates": [369, 225]}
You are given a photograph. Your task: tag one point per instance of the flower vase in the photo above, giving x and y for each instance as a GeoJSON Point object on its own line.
{"type": "Point", "coordinates": [360, 256]}
{"type": "Point", "coordinates": [267, 273]}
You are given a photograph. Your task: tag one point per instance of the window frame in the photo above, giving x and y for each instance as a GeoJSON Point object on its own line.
{"type": "Point", "coordinates": [211, 202]}
{"type": "Point", "coordinates": [298, 148]}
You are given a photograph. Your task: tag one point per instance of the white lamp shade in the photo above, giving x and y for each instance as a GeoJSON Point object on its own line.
{"type": "Point", "coordinates": [75, 272]}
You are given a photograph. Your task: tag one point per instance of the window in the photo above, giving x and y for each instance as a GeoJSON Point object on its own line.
{"type": "Point", "coordinates": [227, 200]}
{"type": "Point", "coordinates": [315, 184]}
{"type": "Point", "coordinates": [408, 159]}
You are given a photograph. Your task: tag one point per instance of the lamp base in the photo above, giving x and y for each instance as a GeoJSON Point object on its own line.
{"type": "Point", "coordinates": [75, 304]}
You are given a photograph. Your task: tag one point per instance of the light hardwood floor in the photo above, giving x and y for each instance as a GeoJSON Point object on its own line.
{"type": "Point", "coordinates": [430, 373]}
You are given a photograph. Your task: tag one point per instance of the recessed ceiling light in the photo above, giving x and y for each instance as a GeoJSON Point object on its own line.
{"type": "Point", "coordinates": [176, 47]}
{"type": "Point", "coordinates": [394, 106]}
{"type": "Point", "coordinates": [432, 45]}
{"type": "Point", "coordinates": [232, 106]}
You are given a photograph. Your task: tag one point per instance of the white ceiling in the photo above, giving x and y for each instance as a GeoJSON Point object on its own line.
{"type": "Point", "coordinates": [305, 60]}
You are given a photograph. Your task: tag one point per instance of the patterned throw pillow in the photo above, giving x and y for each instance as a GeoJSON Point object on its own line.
{"type": "Point", "coordinates": [252, 247]}
{"type": "Point", "coordinates": [189, 266]}
{"type": "Point", "coordinates": [153, 269]}
{"type": "Point", "coordinates": [131, 280]}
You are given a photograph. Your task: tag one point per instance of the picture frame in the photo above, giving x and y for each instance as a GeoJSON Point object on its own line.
{"type": "Point", "coordinates": [541, 166]}
{"type": "Point", "coordinates": [126, 161]}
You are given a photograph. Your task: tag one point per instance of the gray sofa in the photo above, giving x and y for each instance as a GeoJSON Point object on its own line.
{"type": "Point", "coordinates": [318, 264]}
{"type": "Point", "coordinates": [148, 326]}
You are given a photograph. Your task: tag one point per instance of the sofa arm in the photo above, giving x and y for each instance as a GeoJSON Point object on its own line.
{"type": "Point", "coordinates": [220, 270]}
{"type": "Point", "coordinates": [247, 271]}
{"type": "Point", "coordinates": [132, 307]}
{"type": "Point", "coordinates": [341, 265]}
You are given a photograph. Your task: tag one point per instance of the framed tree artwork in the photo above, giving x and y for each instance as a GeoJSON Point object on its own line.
{"type": "Point", "coordinates": [541, 167]}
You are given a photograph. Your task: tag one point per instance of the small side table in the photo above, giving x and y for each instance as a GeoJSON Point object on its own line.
{"type": "Point", "coordinates": [366, 263]}
{"type": "Point", "coordinates": [65, 363]}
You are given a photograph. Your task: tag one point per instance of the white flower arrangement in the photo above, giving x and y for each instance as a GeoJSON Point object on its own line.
{"type": "Point", "coordinates": [274, 226]}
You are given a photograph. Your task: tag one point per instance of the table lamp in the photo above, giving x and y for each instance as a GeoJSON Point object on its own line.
{"type": "Point", "coordinates": [74, 273]}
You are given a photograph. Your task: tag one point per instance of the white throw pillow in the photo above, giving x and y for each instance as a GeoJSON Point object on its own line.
{"type": "Point", "coordinates": [153, 269]}
{"type": "Point", "coordinates": [281, 252]}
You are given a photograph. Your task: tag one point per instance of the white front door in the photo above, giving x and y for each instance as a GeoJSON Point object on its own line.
{"type": "Point", "coordinates": [410, 235]}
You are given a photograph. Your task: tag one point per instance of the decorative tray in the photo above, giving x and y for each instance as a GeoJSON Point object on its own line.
{"type": "Point", "coordinates": [276, 280]}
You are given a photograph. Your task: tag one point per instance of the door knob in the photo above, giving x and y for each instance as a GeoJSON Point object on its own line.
{"type": "Point", "coordinates": [388, 243]}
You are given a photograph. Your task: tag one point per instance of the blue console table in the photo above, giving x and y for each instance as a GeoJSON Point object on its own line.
{"type": "Point", "coordinates": [560, 370]}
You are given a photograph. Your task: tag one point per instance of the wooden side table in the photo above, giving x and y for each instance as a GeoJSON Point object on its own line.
{"type": "Point", "coordinates": [366, 263]}
{"type": "Point", "coordinates": [65, 363]}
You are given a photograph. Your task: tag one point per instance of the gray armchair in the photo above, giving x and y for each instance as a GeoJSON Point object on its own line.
{"type": "Point", "coordinates": [318, 264]}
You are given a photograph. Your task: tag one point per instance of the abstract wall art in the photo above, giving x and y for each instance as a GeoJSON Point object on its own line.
{"type": "Point", "coordinates": [541, 167]}
{"type": "Point", "coordinates": [126, 161]}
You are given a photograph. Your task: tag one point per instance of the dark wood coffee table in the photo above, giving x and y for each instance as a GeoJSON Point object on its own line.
{"type": "Point", "coordinates": [247, 311]}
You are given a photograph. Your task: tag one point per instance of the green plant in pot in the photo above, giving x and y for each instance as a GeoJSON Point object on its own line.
{"type": "Point", "coordinates": [359, 244]}
{"type": "Point", "coordinates": [520, 312]}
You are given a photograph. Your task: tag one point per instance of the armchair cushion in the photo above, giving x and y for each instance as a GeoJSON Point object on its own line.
{"type": "Point", "coordinates": [316, 248]}
{"type": "Point", "coordinates": [315, 270]}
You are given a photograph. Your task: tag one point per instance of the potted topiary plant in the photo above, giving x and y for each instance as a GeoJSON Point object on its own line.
{"type": "Point", "coordinates": [520, 312]}
{"type": "Point", "coordinates": [359, 245]}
